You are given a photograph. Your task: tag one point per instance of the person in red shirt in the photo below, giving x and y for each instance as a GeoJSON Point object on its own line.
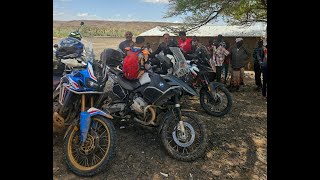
{"type": "Point", "coordinates": [185, 43]}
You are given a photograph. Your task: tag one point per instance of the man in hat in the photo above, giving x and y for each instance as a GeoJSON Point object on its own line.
{"type": "Point", "coordinates": [238, 55]}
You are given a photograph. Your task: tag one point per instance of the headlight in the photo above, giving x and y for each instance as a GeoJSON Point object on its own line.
{"type": "Point", "coordinates": [91, 84]}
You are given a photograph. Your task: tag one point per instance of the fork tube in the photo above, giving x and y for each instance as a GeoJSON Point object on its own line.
{"type": "Point", "coordinates": [83, 102]}
{"type": "Point", "coordinates": [178, 111]}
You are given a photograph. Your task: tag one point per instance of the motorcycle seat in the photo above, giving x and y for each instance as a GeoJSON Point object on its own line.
{"type": "Point", "coordinates": [128, 84]}
{"type": "Point", "coordinates": [115, 71]}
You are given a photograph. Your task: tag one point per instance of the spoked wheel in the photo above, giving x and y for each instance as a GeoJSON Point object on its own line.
{"type": "Point", "coordinates": [218, 105]}
{"type": "Point", "coordinates": [188, 146]}
{"type": "Point", "coordinates": [94, 154]}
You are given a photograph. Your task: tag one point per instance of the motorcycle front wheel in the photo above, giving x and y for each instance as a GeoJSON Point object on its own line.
{"type": "Point", "coordinates": [98, 150]}
{"type": "Point", "coordinates": [188, 146]}
{"type": "Point", "coordinates": [219, 105]}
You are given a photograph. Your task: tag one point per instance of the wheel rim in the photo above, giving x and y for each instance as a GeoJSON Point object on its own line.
{"type": "Point", "coordinates": [186, 139]}
{"type": "Point", "coordinates": [94, 150]}
{"type": "Point", "coordinates": [187, 145]}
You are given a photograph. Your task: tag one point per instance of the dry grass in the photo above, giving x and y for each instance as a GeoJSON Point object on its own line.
{"type": "Point", "coordinates": [104, 28]}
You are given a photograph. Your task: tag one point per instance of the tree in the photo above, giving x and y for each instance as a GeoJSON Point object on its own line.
{"type": "Point", "coordinates": [201, 12]}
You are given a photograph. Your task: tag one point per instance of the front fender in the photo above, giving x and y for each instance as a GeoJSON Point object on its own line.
{"type": "Point", "coordinates": [212, 86]}
{"type": "Point", "coordinates": [94, 111]}
{"type": "Point", "coordinates": [85, 119]}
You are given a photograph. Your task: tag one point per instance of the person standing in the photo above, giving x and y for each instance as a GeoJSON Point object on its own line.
{"type": "Point", "coordinates": [258, 55]}
{"type": "Point", "coordinates": [126, 43]}
{"type": "Point", "coordinates": [237, 59]}
{"type": "Point", "coordinates": [164, 46]}
{"type": "Point", "coordinates": [225, 65]}
{"type": "Point", "coordinates": [264, 68]}
{"type": "Point", "coordinates": [209, 47]}
{"type": "Point", "coordinates": [221, 53]}
{"type": "Point", "coordinates": [185, 43]}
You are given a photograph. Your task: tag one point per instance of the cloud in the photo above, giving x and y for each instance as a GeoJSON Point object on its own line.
{"type": "Point", "coordinates": [82, 14]}
{"type": "Point", "coordinates": [57, 13]}
{"type": "Point", "coordinates": [87, 16]}
{"type": "Point", "coordinates": [157, 1]}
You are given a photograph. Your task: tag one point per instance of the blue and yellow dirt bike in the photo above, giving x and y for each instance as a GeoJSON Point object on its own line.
{"type": "Point", "coordinates": [89, 141]}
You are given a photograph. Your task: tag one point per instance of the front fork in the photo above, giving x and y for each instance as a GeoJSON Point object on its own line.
{"type": "Point", "coordinates": [211, 89]}
{"type": "Point", "coordinates": [178, 115]}
{"type": "Point", "coordinates": [212, 86]}
{"type": "Point", "coordinates": [85, 119]}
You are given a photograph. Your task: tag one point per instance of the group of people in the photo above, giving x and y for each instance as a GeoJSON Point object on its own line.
{"type": "Point", "coordinates": [223, 58]}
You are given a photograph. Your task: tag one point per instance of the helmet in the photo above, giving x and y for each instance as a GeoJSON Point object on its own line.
{"type": "Point", "coordinates": [76, 35]}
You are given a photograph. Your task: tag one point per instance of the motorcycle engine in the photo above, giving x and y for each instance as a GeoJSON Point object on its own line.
{"type": "Point", "coordinates": [138, 104]}
{"type": "Point", "coordinates": [118, 107]}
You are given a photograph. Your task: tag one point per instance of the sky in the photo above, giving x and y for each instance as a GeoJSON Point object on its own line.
{"type": "Point", "coordinates": [115, 10]}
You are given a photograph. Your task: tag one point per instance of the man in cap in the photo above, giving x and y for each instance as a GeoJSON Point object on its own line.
{"type": "Point", "coordinates": [238, 55]}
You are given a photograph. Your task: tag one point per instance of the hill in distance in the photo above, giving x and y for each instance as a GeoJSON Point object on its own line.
{"type": "Point", "coordinates": [104, 28]}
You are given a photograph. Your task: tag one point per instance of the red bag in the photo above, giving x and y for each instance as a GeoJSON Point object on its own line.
{"type": "Point", "coordinates": [130, 66]}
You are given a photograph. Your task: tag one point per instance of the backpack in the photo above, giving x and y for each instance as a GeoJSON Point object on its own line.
{"type": "Point", "coordinates": [130, 66]}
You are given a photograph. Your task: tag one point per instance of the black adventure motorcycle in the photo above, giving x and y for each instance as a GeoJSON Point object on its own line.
{"type": "Point", "coordinates": [153, 101]}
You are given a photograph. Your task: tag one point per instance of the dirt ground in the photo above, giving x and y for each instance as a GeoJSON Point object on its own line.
{"type": "Point", "coordinates": [237, 143]}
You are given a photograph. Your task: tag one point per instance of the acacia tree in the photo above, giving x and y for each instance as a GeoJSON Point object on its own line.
{"type": "Point", "coordinates": [201, 12]}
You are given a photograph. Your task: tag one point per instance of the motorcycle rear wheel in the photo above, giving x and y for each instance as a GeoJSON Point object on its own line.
{"type": "Point", "coordinates": [97, 151]}
{"type": "Point", "coordinates": [192, 146]}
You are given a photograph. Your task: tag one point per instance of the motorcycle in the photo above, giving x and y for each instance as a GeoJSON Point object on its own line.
{"type": "Point", "coordinates": [152, 102]}
{"type": "Point", "coordinates": [72, 48]}
{"type": "Point", "coordinates": [215, 98]}
{"type": "Point", "coordinates": [68, 54]}
{"type": "Point", "coordinates": [90, 139]}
